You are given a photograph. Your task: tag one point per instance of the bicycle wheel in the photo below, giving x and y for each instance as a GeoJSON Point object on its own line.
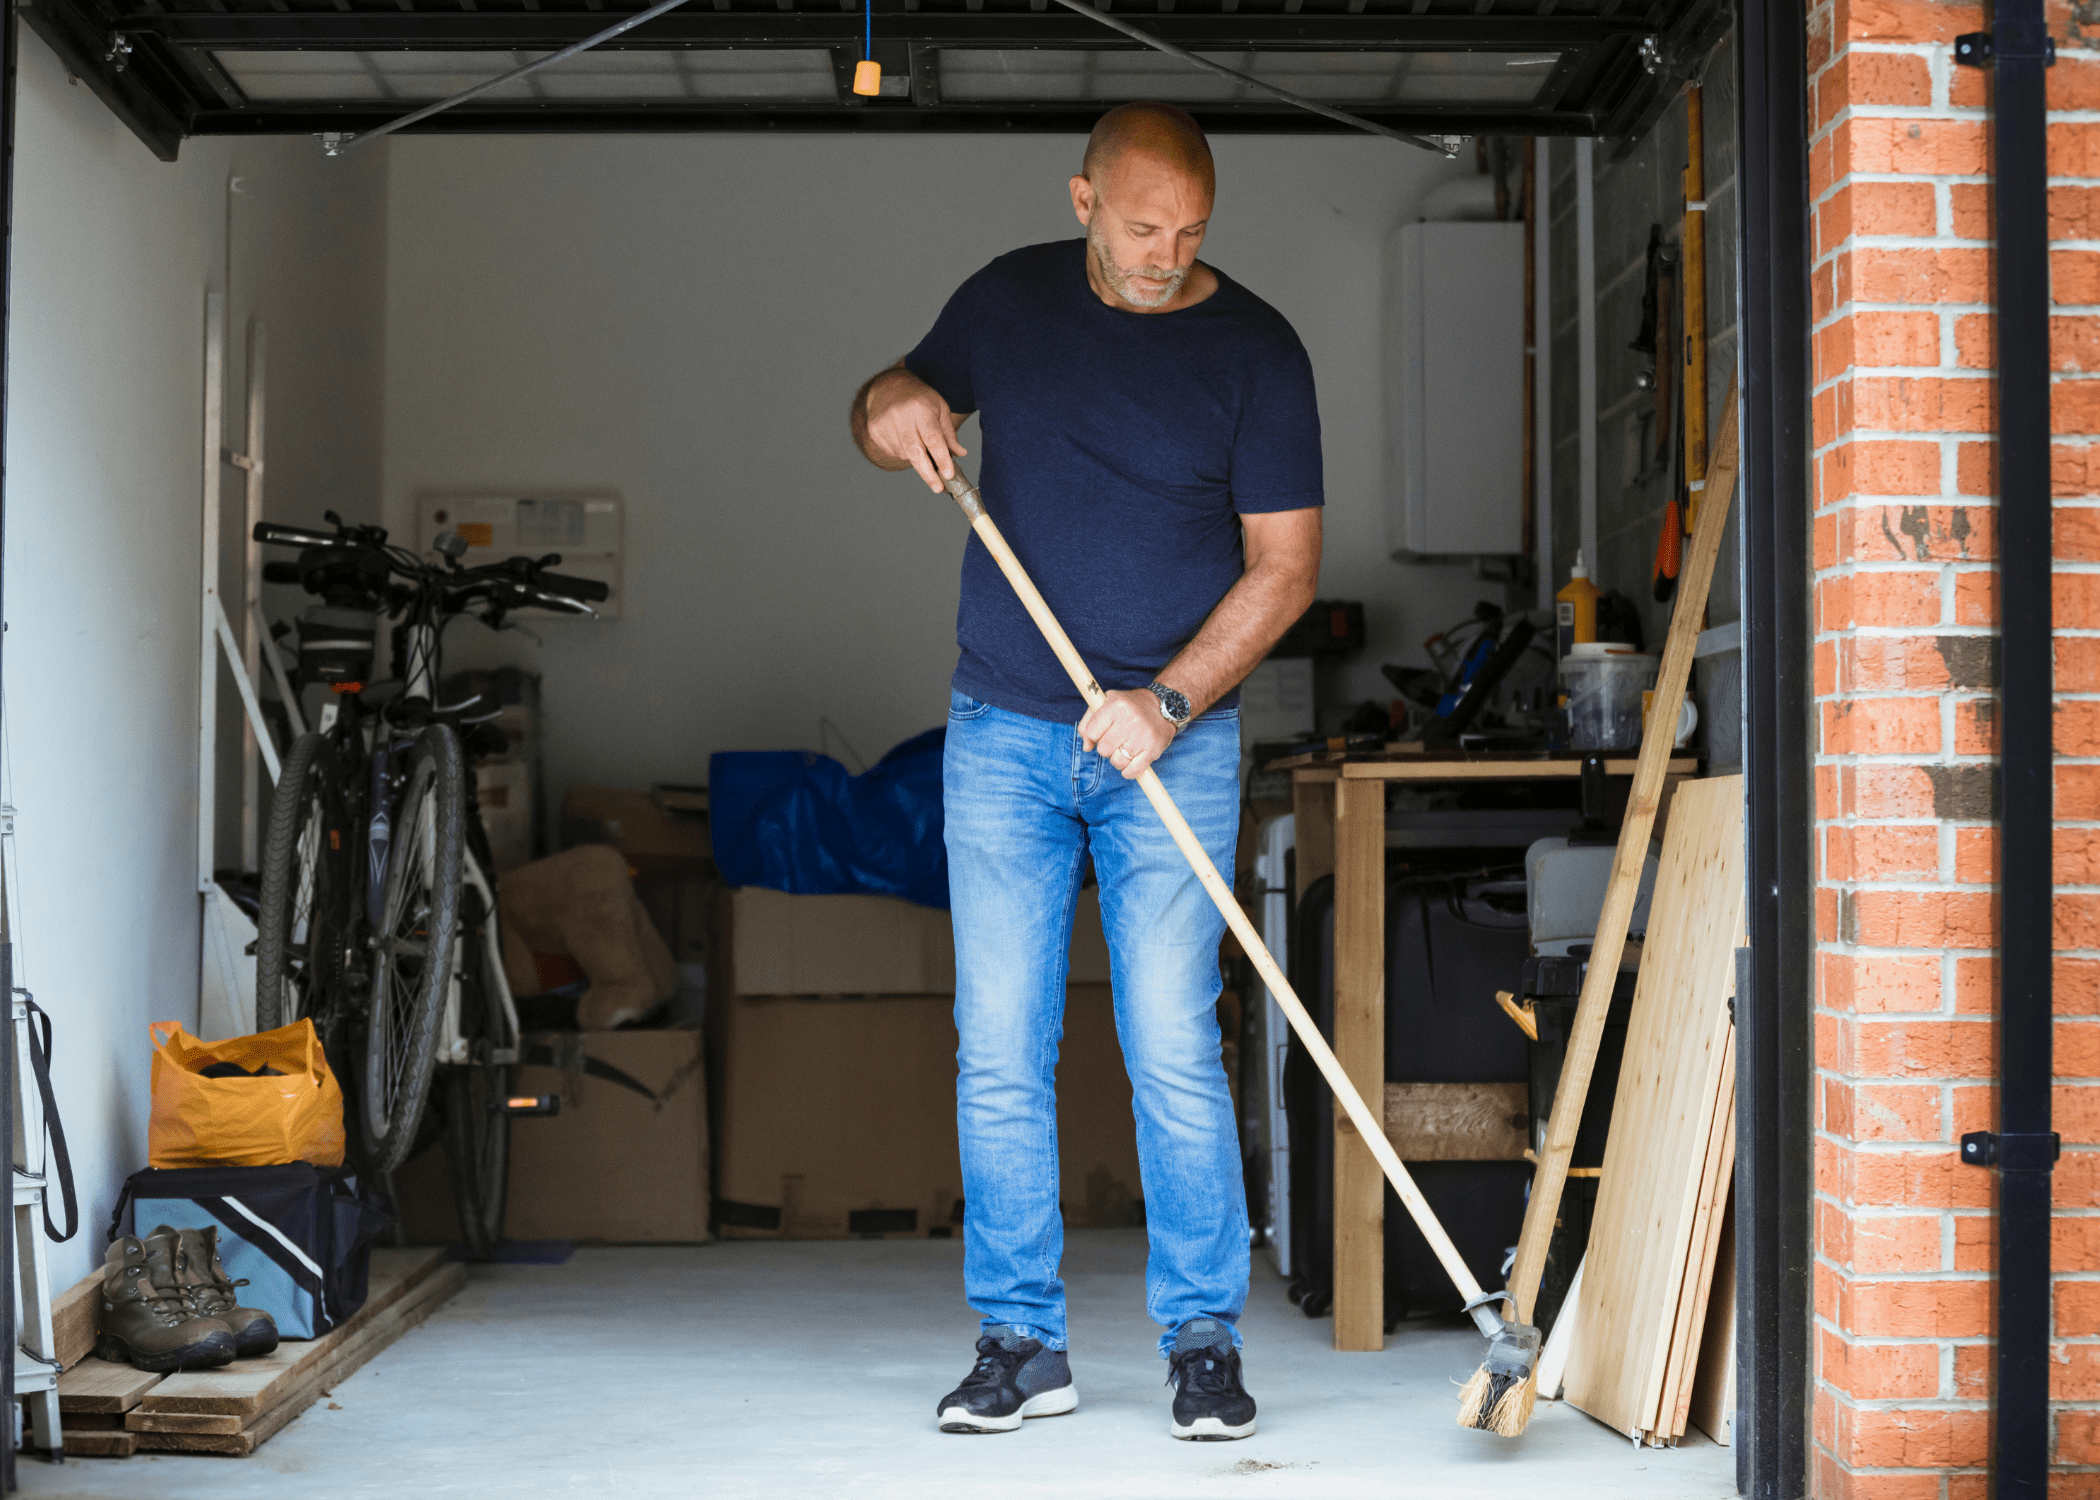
{"type": "Point", "coordinates": [301, 921]}
{"type": "Point", "coordinates": [476, 1129]}
{"type": "Point", "coordinates": [413, 948]}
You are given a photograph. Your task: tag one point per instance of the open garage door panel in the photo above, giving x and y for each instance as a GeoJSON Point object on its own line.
{"type": "Point", "coordinates": [175, 68]}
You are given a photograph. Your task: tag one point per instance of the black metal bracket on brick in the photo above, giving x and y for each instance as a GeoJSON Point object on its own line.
{"type": "Point", "coordinates": [2011, 1153]}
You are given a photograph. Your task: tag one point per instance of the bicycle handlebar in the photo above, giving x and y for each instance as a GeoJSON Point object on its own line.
{"type": "Point", "coordinates": [298, 536]}
{"type": "Point", "coordinates": [588, 589]}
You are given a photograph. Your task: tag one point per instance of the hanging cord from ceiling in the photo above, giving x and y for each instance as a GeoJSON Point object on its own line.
{"type": "Point", "coordinates": [1443, 145]}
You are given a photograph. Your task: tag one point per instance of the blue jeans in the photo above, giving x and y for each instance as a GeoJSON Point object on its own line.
{"type": "Point", "coordinates": [1025, 805]}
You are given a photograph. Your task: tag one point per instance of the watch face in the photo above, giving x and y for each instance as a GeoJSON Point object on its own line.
{"type": "Point", "coordinates": [1174, 705]}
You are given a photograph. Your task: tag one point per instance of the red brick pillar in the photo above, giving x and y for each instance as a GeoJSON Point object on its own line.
{"type": "Point", "coordinates": [1905, 655]}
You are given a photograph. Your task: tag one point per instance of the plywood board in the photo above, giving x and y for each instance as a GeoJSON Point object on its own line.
{"type": "Point", "coordinates": [1457, 1121]}
{"type": "Point", "coordinates": [1663, 1116]}
{"type": "Point", "coordinates": [1698, 1272]}
{"type": "Point", "coordinates": [248, 1386]}
{"type": "Point", "coordinates": [98, 1385]}
{"type": "Point", "coordinates": [1713, 1388]}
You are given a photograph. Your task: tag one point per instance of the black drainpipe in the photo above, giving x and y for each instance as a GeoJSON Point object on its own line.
{"type": "Point", "coordinates": [2024, 1147]}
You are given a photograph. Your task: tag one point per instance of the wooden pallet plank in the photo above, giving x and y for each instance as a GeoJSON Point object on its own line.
{"type": "Point", "coordinates": [1662, 1117]}
{"type": "Point", "coordinates": [248, 1386]}
{"type": "Point", "coordinates": [318, 1383]}
{"type": "Point", "coordinates": [76, 1317]}
{"type": "Point", "coordinates": [114, 1444]}
{"type": "Point", "coordinates": [1457, 1121]}
{"type": "Point", "coordinates": [406, 1313]}
{"type": "Point", "coordinates": [98, 1385]}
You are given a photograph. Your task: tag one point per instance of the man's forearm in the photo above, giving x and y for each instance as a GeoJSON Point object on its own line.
{"type": "Point", "coordinates": [1249, 620]}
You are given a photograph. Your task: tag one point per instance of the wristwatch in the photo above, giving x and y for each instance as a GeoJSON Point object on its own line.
{"type": "Point", "coordinates": [1173, 706]}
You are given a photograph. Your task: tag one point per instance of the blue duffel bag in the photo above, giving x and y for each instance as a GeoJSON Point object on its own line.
{"type": "Point", "coordinates": [301, 1236]}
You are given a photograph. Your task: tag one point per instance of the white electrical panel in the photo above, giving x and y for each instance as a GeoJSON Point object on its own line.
{"type": "Point", "coordinates": [1455, 391]}
{"type": "Point", "coordinates": [583, 528]}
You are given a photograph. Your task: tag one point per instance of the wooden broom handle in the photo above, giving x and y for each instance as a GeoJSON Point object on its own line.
{"type": "Point", "coordinates": [1367, 1126]}
{"type": "Point", "coordinates": [1658, 738]}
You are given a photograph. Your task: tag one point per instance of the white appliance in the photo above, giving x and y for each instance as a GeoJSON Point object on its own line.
{"type": "Point", "coordinates": [1455, 391]}
{"type": "Point", "coordinates": [1274, 841]}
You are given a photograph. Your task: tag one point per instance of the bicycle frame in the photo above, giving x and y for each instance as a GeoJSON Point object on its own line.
{"type": "Point", "coordinates": [453, 1045]}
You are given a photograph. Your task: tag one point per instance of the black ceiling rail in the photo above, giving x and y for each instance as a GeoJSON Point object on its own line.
{"type": "Point", "coordinates": [526, 117]}
{"type": "Point", "coordinates": [2023, 1150]}
{"type": "Point", "coordinates": [392, 30]}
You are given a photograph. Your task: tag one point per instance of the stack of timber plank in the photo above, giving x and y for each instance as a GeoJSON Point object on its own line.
{"type": "Point", "coordinates": [1668, 1166]}
{"type": "Point", "coordinates": [112, 1410]}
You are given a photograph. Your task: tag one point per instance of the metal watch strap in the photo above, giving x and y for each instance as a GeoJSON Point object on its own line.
{"type": "Point", "coordinates": [1169, 700]}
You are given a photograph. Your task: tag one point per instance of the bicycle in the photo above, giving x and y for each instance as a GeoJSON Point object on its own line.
{"type": "Point", "coordinates": [378, 905]}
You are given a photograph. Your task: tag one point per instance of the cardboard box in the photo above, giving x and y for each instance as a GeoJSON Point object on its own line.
{"type": "Point", "coordinates": [654, 841]}
{"type": "Point", "coordinates": [613, 1166]}
{"type": "Point", "coordinates": [776, 944]}
{"type": "Point", "coordinates": [837, 1118]}
{"type": "Point", "coordinates": [504, 790]}
{"type": "Point", "coordinates": [680, 907]}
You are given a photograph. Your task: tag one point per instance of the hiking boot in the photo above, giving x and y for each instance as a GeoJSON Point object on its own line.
{"type": "Point", "coordinates": [208, 1291]}
{"type": "Point", "coordinates": [1210, 1404]}
{"type": "Point", "coordinates": [145, 1319]}
{"type": "Point", "coordinates": [1014, 1377]}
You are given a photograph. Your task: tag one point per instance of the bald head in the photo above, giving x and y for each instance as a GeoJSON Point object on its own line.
{"type": "Point", "coordinates": [1152, 137]}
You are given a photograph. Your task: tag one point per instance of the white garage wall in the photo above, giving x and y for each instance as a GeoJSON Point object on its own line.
{"type": "Point", "coordinates": [113, 254]}
{"type": "Point", "coordinates": [684, 319]}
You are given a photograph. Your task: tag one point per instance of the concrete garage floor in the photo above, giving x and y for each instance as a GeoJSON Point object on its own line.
{"type": "Point", "coordinates": [788, 1370]}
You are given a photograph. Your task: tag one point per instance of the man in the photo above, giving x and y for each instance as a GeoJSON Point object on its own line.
{"type": "Point", "coordinates": [1154, 459]}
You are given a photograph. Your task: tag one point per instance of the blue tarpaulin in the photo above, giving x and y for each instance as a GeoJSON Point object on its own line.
{"type": "Point", "coordinates": [794, 820]}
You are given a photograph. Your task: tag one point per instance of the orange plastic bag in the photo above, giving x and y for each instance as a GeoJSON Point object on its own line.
{"type": "Point", "coordinates": [243, 1122]}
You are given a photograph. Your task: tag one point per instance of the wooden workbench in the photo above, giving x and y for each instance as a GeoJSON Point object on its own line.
{"type": "Point", "coordinates": [1338, 800]}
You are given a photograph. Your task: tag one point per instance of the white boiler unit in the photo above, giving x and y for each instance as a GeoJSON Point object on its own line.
{"type": "Point", "coordinates": [1455, 391]}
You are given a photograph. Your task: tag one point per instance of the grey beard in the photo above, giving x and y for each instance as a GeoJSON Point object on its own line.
{"type": "Point", "coordinates": [1120, 281]}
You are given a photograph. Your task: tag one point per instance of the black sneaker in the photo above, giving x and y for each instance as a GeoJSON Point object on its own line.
{"type": "Point", "coordinates": [1014, 1377]}
{"type": "Point", "coordinates": [1210, 1404]}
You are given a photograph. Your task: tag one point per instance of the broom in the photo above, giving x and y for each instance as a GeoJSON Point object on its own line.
{"type": "Point", "coordinates": [1494, 1402]}
{"type": "Point", "coordinates": [1513, 1349]}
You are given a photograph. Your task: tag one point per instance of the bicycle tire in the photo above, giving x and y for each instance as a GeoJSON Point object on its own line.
{"type": "Point", "coordinates": [301, 919]}
{"type": "Point", "coordinates": [412, 951]}
{"type": "Point", "coordinates": [477, 1129]}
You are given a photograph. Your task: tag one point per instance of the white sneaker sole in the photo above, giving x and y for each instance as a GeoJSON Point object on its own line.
{"type": "Point", "coordinates": [1044, 1404]}
{"type": "Point", "coordinates": [1210, 1429]}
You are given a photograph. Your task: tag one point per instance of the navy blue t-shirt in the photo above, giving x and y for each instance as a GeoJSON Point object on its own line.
{"type": "Point", "coordinates": [1120, 449]}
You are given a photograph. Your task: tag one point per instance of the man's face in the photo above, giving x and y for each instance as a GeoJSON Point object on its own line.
{"type": "Point", "coordinates": [1144, 225]}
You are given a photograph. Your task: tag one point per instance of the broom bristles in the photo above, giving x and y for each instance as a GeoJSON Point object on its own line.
{"type": "Point", "coordinates": [1474, 1399]}
{"type": "Point", "coordinates": [1497, 1404]}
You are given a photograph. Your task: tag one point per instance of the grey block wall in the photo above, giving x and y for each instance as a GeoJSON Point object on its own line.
{"type": "Point", "coordinates": [1642, 189]}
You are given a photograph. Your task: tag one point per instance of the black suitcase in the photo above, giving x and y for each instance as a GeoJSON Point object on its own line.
{"type": "Point", "coordinates": [1451, 943]}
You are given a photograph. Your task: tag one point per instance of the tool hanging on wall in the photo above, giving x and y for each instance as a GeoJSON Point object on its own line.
{"type": "Point", "coordinates": [1694, 307]}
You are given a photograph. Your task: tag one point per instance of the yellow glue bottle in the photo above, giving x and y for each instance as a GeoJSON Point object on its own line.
{"type": "Point", "coordinates": [1575, 608]}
